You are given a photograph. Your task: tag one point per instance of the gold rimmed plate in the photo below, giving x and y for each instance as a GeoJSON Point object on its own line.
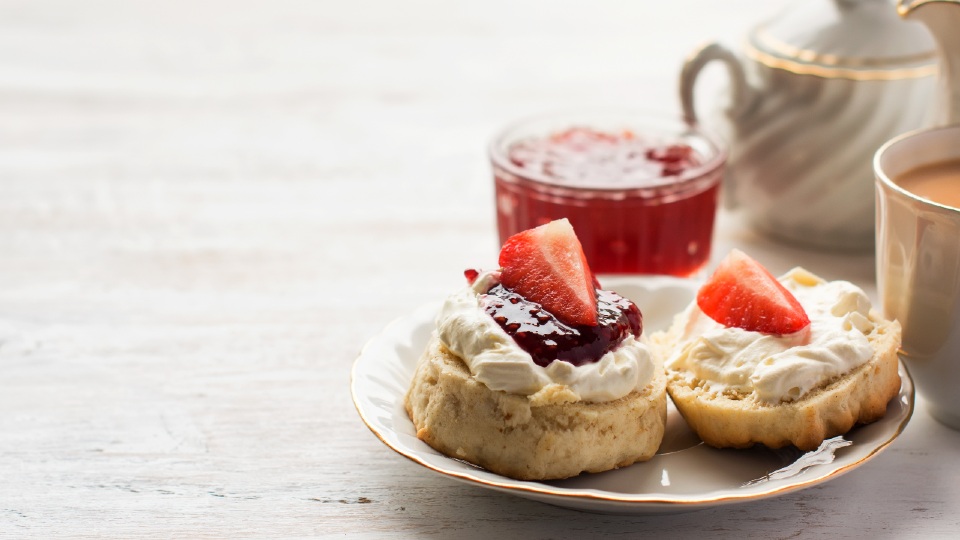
{"type": "Point", "coordinates": [685, 474]}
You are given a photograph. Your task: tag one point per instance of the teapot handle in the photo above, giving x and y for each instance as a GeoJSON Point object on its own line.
{"type": "Point", "coordinates": [741, 92]}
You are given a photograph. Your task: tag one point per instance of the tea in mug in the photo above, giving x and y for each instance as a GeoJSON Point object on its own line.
{"type": "Point", "coordinates": [938, 182]}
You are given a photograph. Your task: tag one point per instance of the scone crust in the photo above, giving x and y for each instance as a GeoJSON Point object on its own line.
{"type": "Point", "coordinates": [860, 396]}
{"type": "Point", "coordinates": [530, 438]}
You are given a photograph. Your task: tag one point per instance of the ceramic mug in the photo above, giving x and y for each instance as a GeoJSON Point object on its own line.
{"type": "Point", "coordinates": [918, 267]}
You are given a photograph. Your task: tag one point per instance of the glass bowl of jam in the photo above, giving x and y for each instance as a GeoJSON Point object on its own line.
{"type": "Point", "coordinates": [641, 191]}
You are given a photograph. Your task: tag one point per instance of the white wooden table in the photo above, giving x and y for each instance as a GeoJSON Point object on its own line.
{"type": "Point", "coordinates": [206, 208]}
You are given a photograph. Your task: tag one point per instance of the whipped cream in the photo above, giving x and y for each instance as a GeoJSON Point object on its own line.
{"type": "Point", "coordinates": [781, 368]}
{"type": "Point", "coordinates": [496, 360]}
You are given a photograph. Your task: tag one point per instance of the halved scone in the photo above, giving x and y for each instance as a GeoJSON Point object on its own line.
{"type": "Point", "coordinates": [778, 361]}
{"type": "Point", "coordinates": [548, 435]}
{"type": "Point", "coordinates": [736, 420]}
{"type": "Point", "coordinates": [535, 372]}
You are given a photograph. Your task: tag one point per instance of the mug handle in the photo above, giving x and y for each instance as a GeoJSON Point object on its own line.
{"type": "Point", "coordinates": [741, 92]}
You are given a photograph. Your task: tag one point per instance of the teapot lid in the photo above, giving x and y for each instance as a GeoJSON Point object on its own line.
{"type": "Point", "coordinates": [854, 39]}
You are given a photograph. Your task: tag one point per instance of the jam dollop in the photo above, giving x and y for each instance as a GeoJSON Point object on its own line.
{"type": "Point", "coordinates": [546, 338]}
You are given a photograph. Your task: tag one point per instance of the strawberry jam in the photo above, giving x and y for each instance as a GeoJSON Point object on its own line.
{"type": "Point", "coordinates": [582, 155]}
{"type": "Point", "coordinates": [640, 204]}
{"type": "Point", "coordinates": [546, 338]}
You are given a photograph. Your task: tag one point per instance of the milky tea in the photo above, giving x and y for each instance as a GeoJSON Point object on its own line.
{"type": "Point", "coordinates": [938, 182]}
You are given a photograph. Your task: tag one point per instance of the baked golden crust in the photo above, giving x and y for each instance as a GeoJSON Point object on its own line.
{"type": "Point", "coordinates": [859, 396]}
{"type": "Point", "coordinates": [545, 436]}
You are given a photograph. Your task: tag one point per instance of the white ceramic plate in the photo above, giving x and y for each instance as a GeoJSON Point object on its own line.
{"type": "Point", "coordinates": [685, 474]}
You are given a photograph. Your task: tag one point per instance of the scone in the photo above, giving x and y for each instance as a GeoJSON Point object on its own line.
{"type": "Point", "coordinates": [793, 376]}
{"type": "Point", "coordinates": [548, 435]}
{"type": "Point", "coordinates": [535, 373]}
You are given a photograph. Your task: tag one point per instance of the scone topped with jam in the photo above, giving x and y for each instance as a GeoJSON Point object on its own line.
{"type": "Point", "coordinates": [794, 360]}
{"type": "Point", "coordinates": [534, 372]}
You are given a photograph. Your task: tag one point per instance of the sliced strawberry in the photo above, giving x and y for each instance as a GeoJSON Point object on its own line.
{"type": "Point", "coordinates": [741, 293]}
{"type": "Point", "coordinates": [546, 265]}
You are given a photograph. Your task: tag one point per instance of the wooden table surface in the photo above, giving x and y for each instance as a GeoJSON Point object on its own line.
{"type": "Point", "coordinates": [208, 207]}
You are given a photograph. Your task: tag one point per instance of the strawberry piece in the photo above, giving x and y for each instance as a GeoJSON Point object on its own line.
{"type": "Point", "coordinates": [741, 293]}
{"type": "Point", "coordinates": [546, 265]}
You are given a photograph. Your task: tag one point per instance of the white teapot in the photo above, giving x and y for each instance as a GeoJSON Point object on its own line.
{"type": "Point", "coordinates": [814, 93]}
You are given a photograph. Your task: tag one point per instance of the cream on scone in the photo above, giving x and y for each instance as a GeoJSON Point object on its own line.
{"type": "Point", "coordinates": [515, 383]}
{"type": "Point", "coordinates": [738, 386]}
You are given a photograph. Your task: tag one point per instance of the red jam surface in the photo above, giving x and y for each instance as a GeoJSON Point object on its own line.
{"type": "Point", "coordinates": [547, 339]}
{"type": "Point", "coordinates": [611, 188]}
{"type": "Point", "coordinates": [585, 157]}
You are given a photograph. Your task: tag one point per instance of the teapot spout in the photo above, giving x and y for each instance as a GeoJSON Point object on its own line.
{"type": "Point", "coordinates": [942, 19]}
